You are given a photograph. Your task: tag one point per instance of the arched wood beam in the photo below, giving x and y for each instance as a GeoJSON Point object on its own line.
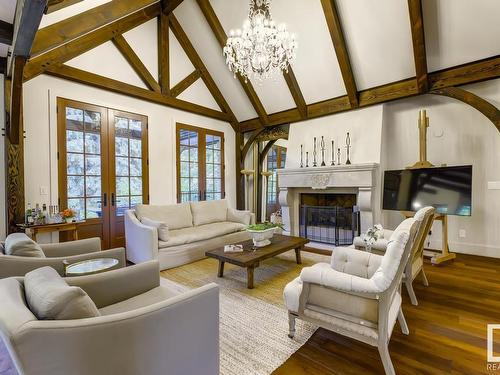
{"type": "Point", "coordinates": [486, 108]}
{"type": "Point", "coordinates": [265, 151]}
{"type": "Point", "coordinates": [250, 141]}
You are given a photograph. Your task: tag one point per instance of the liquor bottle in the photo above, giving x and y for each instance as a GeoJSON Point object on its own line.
{"type": "Point", "coordinates": [45, 215]}
{"type": "Point", "coordinates": [28, 218]}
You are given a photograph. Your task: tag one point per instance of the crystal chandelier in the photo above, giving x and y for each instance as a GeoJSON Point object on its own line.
{"type": "Point", "coordinates": [262, 48]}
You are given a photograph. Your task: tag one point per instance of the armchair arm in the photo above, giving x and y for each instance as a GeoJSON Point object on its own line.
{"type": "Point", "coordinates": [180, 334]}
{"type": "Point", "coordinates": [141, 240]}
{"type": "Point", "coordinates": [65, 249]}
{"type": "Point", "coordinates": [355, 262]}
{"type": "Point", "coordinates": [118, 285]}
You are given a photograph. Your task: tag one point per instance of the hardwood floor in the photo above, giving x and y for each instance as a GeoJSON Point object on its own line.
{"type": "Point", "coordinates": [447, 328]}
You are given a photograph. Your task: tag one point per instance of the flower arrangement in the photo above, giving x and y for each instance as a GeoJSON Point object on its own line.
{"type": "Point", "coordinates": [372, 235]}
{"type": "Point", "coordinates": [263, 226]}
{"type": "Point", "coordinates": [68, 214]}
{"type": "Point", "coordinates": [262, 233]}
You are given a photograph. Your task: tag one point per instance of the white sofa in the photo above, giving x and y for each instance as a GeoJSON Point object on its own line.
{"type": "Point", "coordinates": [193, 228]}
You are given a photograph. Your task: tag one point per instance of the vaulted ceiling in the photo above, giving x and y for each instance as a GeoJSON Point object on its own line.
{"type": "Point", "coordinates": [377, 47]}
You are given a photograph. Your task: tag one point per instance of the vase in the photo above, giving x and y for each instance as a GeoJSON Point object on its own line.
{"type": "Point", "coordinates": [68, 220]}
{"type": "Point", "coordinates": [261, 238]}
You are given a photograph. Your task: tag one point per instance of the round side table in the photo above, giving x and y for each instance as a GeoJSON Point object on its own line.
{"type": "Point", "coordinates": [89, 267]}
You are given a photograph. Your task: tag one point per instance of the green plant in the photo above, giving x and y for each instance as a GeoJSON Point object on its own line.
{"type": "Point", "coordinates": [264, 226]}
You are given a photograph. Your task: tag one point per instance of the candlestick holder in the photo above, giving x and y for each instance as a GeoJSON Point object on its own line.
{"type": "Point", "coordinates": [333, 153]}
{"type": "Point", "coordinates": [314, 154]}
{"type": "Point", "coordinates": [307, 159]}
{"type": "Point", "coordinates": [301, 156]}
{"type": "Point", "coordinates": [322, 144]}
{"type": "Point", "coordinates": [348, 146]}
{"type": "Point", "coordinates": [338, 156]}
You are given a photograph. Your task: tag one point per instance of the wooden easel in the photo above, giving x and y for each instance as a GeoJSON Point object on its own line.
{"type": "Point", "coordinates": [423, 124]}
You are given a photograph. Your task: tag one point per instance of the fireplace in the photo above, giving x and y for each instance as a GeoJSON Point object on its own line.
{"type": "Point", "coordinates": [329, 218]}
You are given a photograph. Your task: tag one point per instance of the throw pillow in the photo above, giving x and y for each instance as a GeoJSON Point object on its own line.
{"type": "Point", "coordinates": [162, 228]}
{"type": "Point", "coordinates": [21, 245]}
{"type": "Point", "coordinates": [236, 216]}
{"type": "Point", "coordinates": [50, 297]}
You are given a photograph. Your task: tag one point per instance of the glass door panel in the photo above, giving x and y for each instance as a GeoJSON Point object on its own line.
{"type": "Point", "coordinates": [213, 179]}
{"type": "Point", "coordinates": [189, 170]}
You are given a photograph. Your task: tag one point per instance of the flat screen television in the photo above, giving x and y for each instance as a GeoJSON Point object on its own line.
{"type": "Point", "coordinates": [448, 189]}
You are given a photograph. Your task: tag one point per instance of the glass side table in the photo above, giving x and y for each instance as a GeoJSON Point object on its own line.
{"type": "Point", "coordinates": [89, 267]}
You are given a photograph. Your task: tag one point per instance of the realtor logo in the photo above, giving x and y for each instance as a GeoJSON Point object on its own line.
{"type": "Point", "coordinates": [490, 349]}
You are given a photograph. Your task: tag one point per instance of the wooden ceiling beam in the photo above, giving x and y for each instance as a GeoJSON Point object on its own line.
{"type": "Point", "coordinates": [483, 106]}
{"type": "Point", "coordinates": [199, 65]}
{"type": "Point", "coordinates": [76, 47]}
{"type": "Point", "coordinates": [164, 53]}
{"type": "Point", "coordinates": [339, 43]}
{"type": "Point", "coordinates": [55, 5]}
{"type": "Point", "coordinates": [105, 83]}
{"type": "Point", "coordinates": [418, 41]}
{"type": "Point", "coordinates": [221, 37]}
{"type": "Point", "coordinates": [136, 63]}
{"type": "Point", "coordinates": [6, 32]}
{"type": "Point", "coordinates": [168, 6]}
{"type": "Point", "coordinates": [294, 88]}
{"type": "Point", "coordinates": [185, 83]}
{"type": "Point", "coordinates": [460, 75]}
{"type": "Point", "coordinates": [71, 28]}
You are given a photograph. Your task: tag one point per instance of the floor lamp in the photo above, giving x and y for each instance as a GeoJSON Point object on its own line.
{"type": "Point", "coordinates": [247, 173]}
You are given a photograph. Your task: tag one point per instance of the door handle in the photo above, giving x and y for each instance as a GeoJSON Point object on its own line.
{"type": "Point", "coordinates": [113, 199]}
{"type": "Point", "coordinates": [105, 200]}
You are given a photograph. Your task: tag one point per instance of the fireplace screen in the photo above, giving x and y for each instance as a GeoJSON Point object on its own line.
{"type": "Point", "coordinates": [334, 225]}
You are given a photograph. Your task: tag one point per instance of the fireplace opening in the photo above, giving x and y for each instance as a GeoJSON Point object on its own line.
{"type": "Point", "coordinates": [329, 218]}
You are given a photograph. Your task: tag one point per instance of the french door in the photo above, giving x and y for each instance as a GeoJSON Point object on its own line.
{"type": "Point", "coordinates": [103, 167]}
{"type": "Point", "coordinates": [275, 159]}
{"type": "Point", "coordinates": [200, 164]}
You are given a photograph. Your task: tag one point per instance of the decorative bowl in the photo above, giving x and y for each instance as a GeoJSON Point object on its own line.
{"type": "Point", "coordinates": [261, 238]}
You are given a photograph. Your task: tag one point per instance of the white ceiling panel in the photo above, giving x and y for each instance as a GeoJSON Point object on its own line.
{"type": "Point", "coordinates": [180, 65]}
{"type": "Point", "coordinates": [144, 41]}
{"type": "Point", "coordinates": [378, 38]}
{"type": "Point", "coordinates": [194, 24]}
{"type": "Point", "coordinates": [3, 50]}
{"type": "Point", "coordinates": [7, 10]}
{"type": "Point", "coordinates": [72, 10]}
{"type": "Point", "coordinates": [460, 31]}
{"type": "Point", "coordinates": [107, 61]}
{"type": "Point", "coordinates": [198, 93]}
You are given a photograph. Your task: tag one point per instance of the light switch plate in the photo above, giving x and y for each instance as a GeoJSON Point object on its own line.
{"type": "Point", "coordinates": [44, 190]}
{"type": "Point", "coordinates": [493, 185]}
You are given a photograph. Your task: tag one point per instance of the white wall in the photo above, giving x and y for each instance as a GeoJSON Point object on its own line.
{"type": "Point", "coordinates": [40, 121]}
{"type": "Point", "coordinates": [458, 135]}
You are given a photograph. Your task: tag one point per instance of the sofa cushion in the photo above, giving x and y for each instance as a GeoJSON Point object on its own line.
{"type": "Point", "coordinates": [207, 212]}
{"type": "Point", "coordinates": [161, 227]}
{"type": "Point", "coordinates": [237, 216]}
{"type": "Point", "coordinates": [21, 245]}
{"type": "Point", "coordinates": [175, 216]}
{"type": "Point", "coordinates": [50, 297]}
{"type": "Point", "coordinates": [200, 233]}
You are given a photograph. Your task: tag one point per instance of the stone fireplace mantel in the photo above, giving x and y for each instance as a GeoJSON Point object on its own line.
{"type": "Point", "coordinates": [361, 179]}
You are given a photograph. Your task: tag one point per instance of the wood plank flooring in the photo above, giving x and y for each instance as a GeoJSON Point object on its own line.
{"type": "Point", "coordinates": [447, 328]}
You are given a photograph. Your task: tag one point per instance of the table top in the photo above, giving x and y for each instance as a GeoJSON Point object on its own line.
{"type": "Point", "coordinates": [51, 225]}
{"type": "Point", "coordinates": [90, 266]}
{"type": "Point", "coordinates": [249, 256]}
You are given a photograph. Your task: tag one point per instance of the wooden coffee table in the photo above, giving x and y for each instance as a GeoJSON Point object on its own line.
{"type": "Point", "coordinates": [251, 258]}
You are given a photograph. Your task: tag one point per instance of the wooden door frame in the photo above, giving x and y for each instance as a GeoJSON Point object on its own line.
{"type": "Point", "coordinates": [279, 150]}
{"type": "Point", "coordinates": [202, 133]}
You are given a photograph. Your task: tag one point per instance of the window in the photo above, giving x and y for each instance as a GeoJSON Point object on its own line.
{"type": "Point", "coordinates": [200, 164]}
{"type": "Point", "coordinates": [275, 160]}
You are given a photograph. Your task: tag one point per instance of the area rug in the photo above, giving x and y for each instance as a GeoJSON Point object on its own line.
{"type": "Point", "coordinates": [253, 322]}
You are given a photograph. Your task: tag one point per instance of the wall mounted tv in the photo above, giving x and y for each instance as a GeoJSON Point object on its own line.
{"type": "Point", "coordinates": [448, 189]}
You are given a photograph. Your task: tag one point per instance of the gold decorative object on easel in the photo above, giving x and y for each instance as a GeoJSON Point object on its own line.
{"type": "Point", "coordinates": [423, 124]}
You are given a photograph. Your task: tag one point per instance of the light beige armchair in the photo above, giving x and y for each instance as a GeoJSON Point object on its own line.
{"type": "Point", "coordinates": [358, 295]}
{"type": "Point", "coordinates": [143, 328]}
{"type": "Point", "coordinates": [54, 254]}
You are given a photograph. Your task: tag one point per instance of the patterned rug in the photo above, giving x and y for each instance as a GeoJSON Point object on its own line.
{"type": "Point", "coordinates": [253, 322]}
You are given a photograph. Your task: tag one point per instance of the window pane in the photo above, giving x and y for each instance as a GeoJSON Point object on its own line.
{"type": "Point", "coordinates": [184, 137]}
{"type": "Point", "coordinates": [136, 148]}
{"type": "Point", "coordinates": [121, 166]}
{"type": "Point", "coordinates": [217, 185]}
{"type": "Point", "coordinates": [193, 169]}
{"type": "Point", "coordinates": [122, 204]}
{"type": "Point", "coordinates": [194, 184]}
{"type": "Point", "coordinates": [217, 156]}
{"type": "Point", "coordinates": [93, 186]}
{"type": "Point", "coordinates": [93, 165]}
{"type": "Point", "coordinates": [121, 146]}
{"type": "Point", "coordinates": [184, 184]}
{"type": "Point", "coordinates": [217, 171]}
{"type": "Point", "coordinates": [184, 153]}
{"type": "Point", "coordinates": [135, 127]}
{"type": "Point", "coordinates": [74, 163]}
{"type": "Point", "coordinates": [210, 196]}
{"type": "Point", "coordinates": [74, 141]}
{"type": "Point", "coordinates": [210, 184]}
{"type": "Point", "coordinates": [75, 186]}
{"type": "Point", "coordinates": [94, 209]}
{"type": "Point", "coordinates": [217, 143]}
{"type": "Point", "coordinates": [193, 139]}
{"type": "Point", "coordinates": [194, 197]}
{"type": "Point", "coordinates": [78, 205]}
{"type": "Point", "coordinates": [135, 200]}
{"type": "Point", "coordinates": [74, 119]}
{"type": "Point", "coordinates": [122, 186]}
{"type": "Point", "coordinates": [217, 196]}
{"type": "Point", "coordinates": [210, 156]}
{"type": "Point", "coordinates": [135, 167]}
{"type": "Point", "coordinates": [209, 141]}
{"type": "Point", "coordinates": [135, 185]}
{"type": "Point", "coordinates": [92, 143]}
{"type": "Point", "coordinates": [193, 154]}
{"type": "Point", "coordinates": [210, 170]}
{"type": "Point", "coordinates": [184, 169]}
{"type": "Point", "coordinates": [92, 121]}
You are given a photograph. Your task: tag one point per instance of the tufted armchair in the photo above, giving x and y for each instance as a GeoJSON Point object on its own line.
{"type": "Point", "coordinates": [358, 295]}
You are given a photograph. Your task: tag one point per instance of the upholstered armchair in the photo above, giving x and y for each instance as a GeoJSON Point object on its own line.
{"type": "Point", "coordinates": [143, 327]}
{"type": "Point", "coordinates": [415, 267]}
{"type": "Point", "coordinates": [53, 255]}
{"type": "Point", "coordinates": [358, 295]}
